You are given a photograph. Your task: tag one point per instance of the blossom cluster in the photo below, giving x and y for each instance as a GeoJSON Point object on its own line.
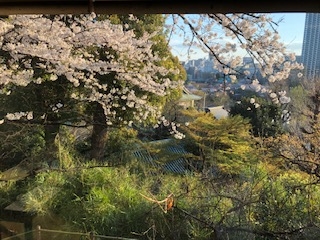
{"type": "Point", "coordinates": [224, 36]}
{"type": "Point", "coordinates": [82, 51]}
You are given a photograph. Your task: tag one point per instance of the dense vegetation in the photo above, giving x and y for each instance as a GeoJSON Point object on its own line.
{"type": "Point", "coordinates": [252, 175]}
{"type": "Point", "coordinates": [236, 186]}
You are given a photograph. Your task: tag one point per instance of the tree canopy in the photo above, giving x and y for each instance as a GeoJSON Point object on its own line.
{"type": "Point", "coordinates": [83, 70]}
{"type": "Point", "coordinates": [113, 72]}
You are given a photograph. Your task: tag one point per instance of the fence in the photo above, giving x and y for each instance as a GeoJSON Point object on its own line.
{"type": "Point", "coordinates": [44, 234]}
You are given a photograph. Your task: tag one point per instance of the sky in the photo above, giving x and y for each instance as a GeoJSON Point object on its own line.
{"type": "Point", "coordinates": [291, 31]}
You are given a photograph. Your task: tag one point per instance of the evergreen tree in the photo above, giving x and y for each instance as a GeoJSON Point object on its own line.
{"type": "Point", "coordinates": [264, 116]}
{"type": "Point", "coordinates": [224, 145]}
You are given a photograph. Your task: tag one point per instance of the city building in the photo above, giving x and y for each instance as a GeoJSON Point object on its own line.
{"type": "Point", "coordinates": [311, 46]}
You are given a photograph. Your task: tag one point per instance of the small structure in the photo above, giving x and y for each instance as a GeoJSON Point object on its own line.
{"type": "Point", "coordinates": [218, 112]}
{"type": "Point", "coordinates": [15, 221]}
{"type": "Point", "coordinates": [178, 163]}
{"type": "Point", "coordinates": [187, 99]}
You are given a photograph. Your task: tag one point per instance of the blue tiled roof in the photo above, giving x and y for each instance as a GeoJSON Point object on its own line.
{"type": "Point", "coordinates": [178, 165]}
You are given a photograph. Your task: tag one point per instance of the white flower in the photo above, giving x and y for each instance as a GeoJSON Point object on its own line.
{"type": "Point", "coordinates": [275, 100]}
{"type": "Point", "coordinates": [10, 116]}
{"type": "Point", "coordinates": [273, 95]}
{"type": "Point", "coordinates": [282, 93]}
{"type": "Point", "coordinates": [272, 79]}
{"type": "Point", "coordinates": [284, 99]}
{"type": "Point", "coordinates": [53, 77]}
{"type": "Point", "coordinates": [30, 115]}
{"type": "Point", "coordinates": [233, 78]}
{"type": "Point", "coordinates": [59, 105]}
{"type": "Point", "coordinates": [255, 82]}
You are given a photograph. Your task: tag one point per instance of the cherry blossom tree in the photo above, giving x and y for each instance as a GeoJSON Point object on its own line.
{"type": "Point", "coordinates": [100, 64]}
{"type": "Point", "coordinates": [114, 72]}
{"type": "Point", "coordinates": [223, 35]}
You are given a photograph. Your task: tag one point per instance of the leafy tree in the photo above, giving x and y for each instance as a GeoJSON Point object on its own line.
{"type": "Point", "coordinates": [299, 101]}
{"type": "Point", "coordinates": [120, 145]}
{"type": "Point", "coordinates": [253, 33]}
{"type": "Point", "coordinates": [104, 67]}
{"type": "Point", "coordinates": [286, 206]}
{"type": "Point", "coordinates": [43, 122]}
{"type": "Point", "coordinates": [116, 78]}
{"type": "Point", "coordinates": [20, 144]}
{"type": "Point", "coordinates": [150, 23]}
{"type": "Point", "coordinates": [266, 118]}
{"type": "Point", "coordinates": [224, 144]}
{"type": "Point", "coordinates": [301, 147]}
{"type": "Point", "coordinates": [96, 69]}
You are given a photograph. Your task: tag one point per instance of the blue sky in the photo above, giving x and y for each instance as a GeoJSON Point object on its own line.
{"type": "Point", "coordinates": [290, 29]}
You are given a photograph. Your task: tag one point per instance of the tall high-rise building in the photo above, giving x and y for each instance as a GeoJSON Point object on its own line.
{"type": "Point", "coordinates": [311, 45]}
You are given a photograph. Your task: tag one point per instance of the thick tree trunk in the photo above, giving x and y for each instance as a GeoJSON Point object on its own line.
{"type": "Point", "coordinates": [99, 133]}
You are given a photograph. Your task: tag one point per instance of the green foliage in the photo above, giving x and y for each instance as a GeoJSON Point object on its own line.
{"type": "Point", "coordinates": [239, 193]}
{"type": "Point", "coordinates": [218, 99]}
{"type": "Point", "coordinates": [130, 201]}
{"type": "Point", "coordinates": [111, 200]}
{"type": "Point", "coordinates": [41, 100]}
{"type": "Point", "coordinates": [44, 196]}
{"type": "Point", "coordinates": [299, 107]}
{"type": "Point", "coordinates": [251, 196]}
{"type": "Point", "coordinates": [32, 138]}
{"type": "Point", "coordinates": [67, 153]}
{"type": "Point", "coordinates": [286, 204]}
{"type": "Point", "coordinates": [19, 143]}
{"type": "Point", "coordinates": [120, 144]}
{"type": "Point", "coordinates": [225, 143]}
{"type": "Point", "coordinates": [300, 148]}
{"type": "Point", "coordinates": [266, 119]}
{"type": "Point", "coordinates": [8, 191]}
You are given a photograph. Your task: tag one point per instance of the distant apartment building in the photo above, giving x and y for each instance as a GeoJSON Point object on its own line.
{"type": "Point", "coordinates": [203, 69]}
{"type": "Point", "coordinates": [310, 56]}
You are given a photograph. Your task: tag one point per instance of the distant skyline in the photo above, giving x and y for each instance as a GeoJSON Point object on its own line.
{"type": "Point", "coordinates": [311, 46]}
{"type": "Point", "coordinates": [291, 31]}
